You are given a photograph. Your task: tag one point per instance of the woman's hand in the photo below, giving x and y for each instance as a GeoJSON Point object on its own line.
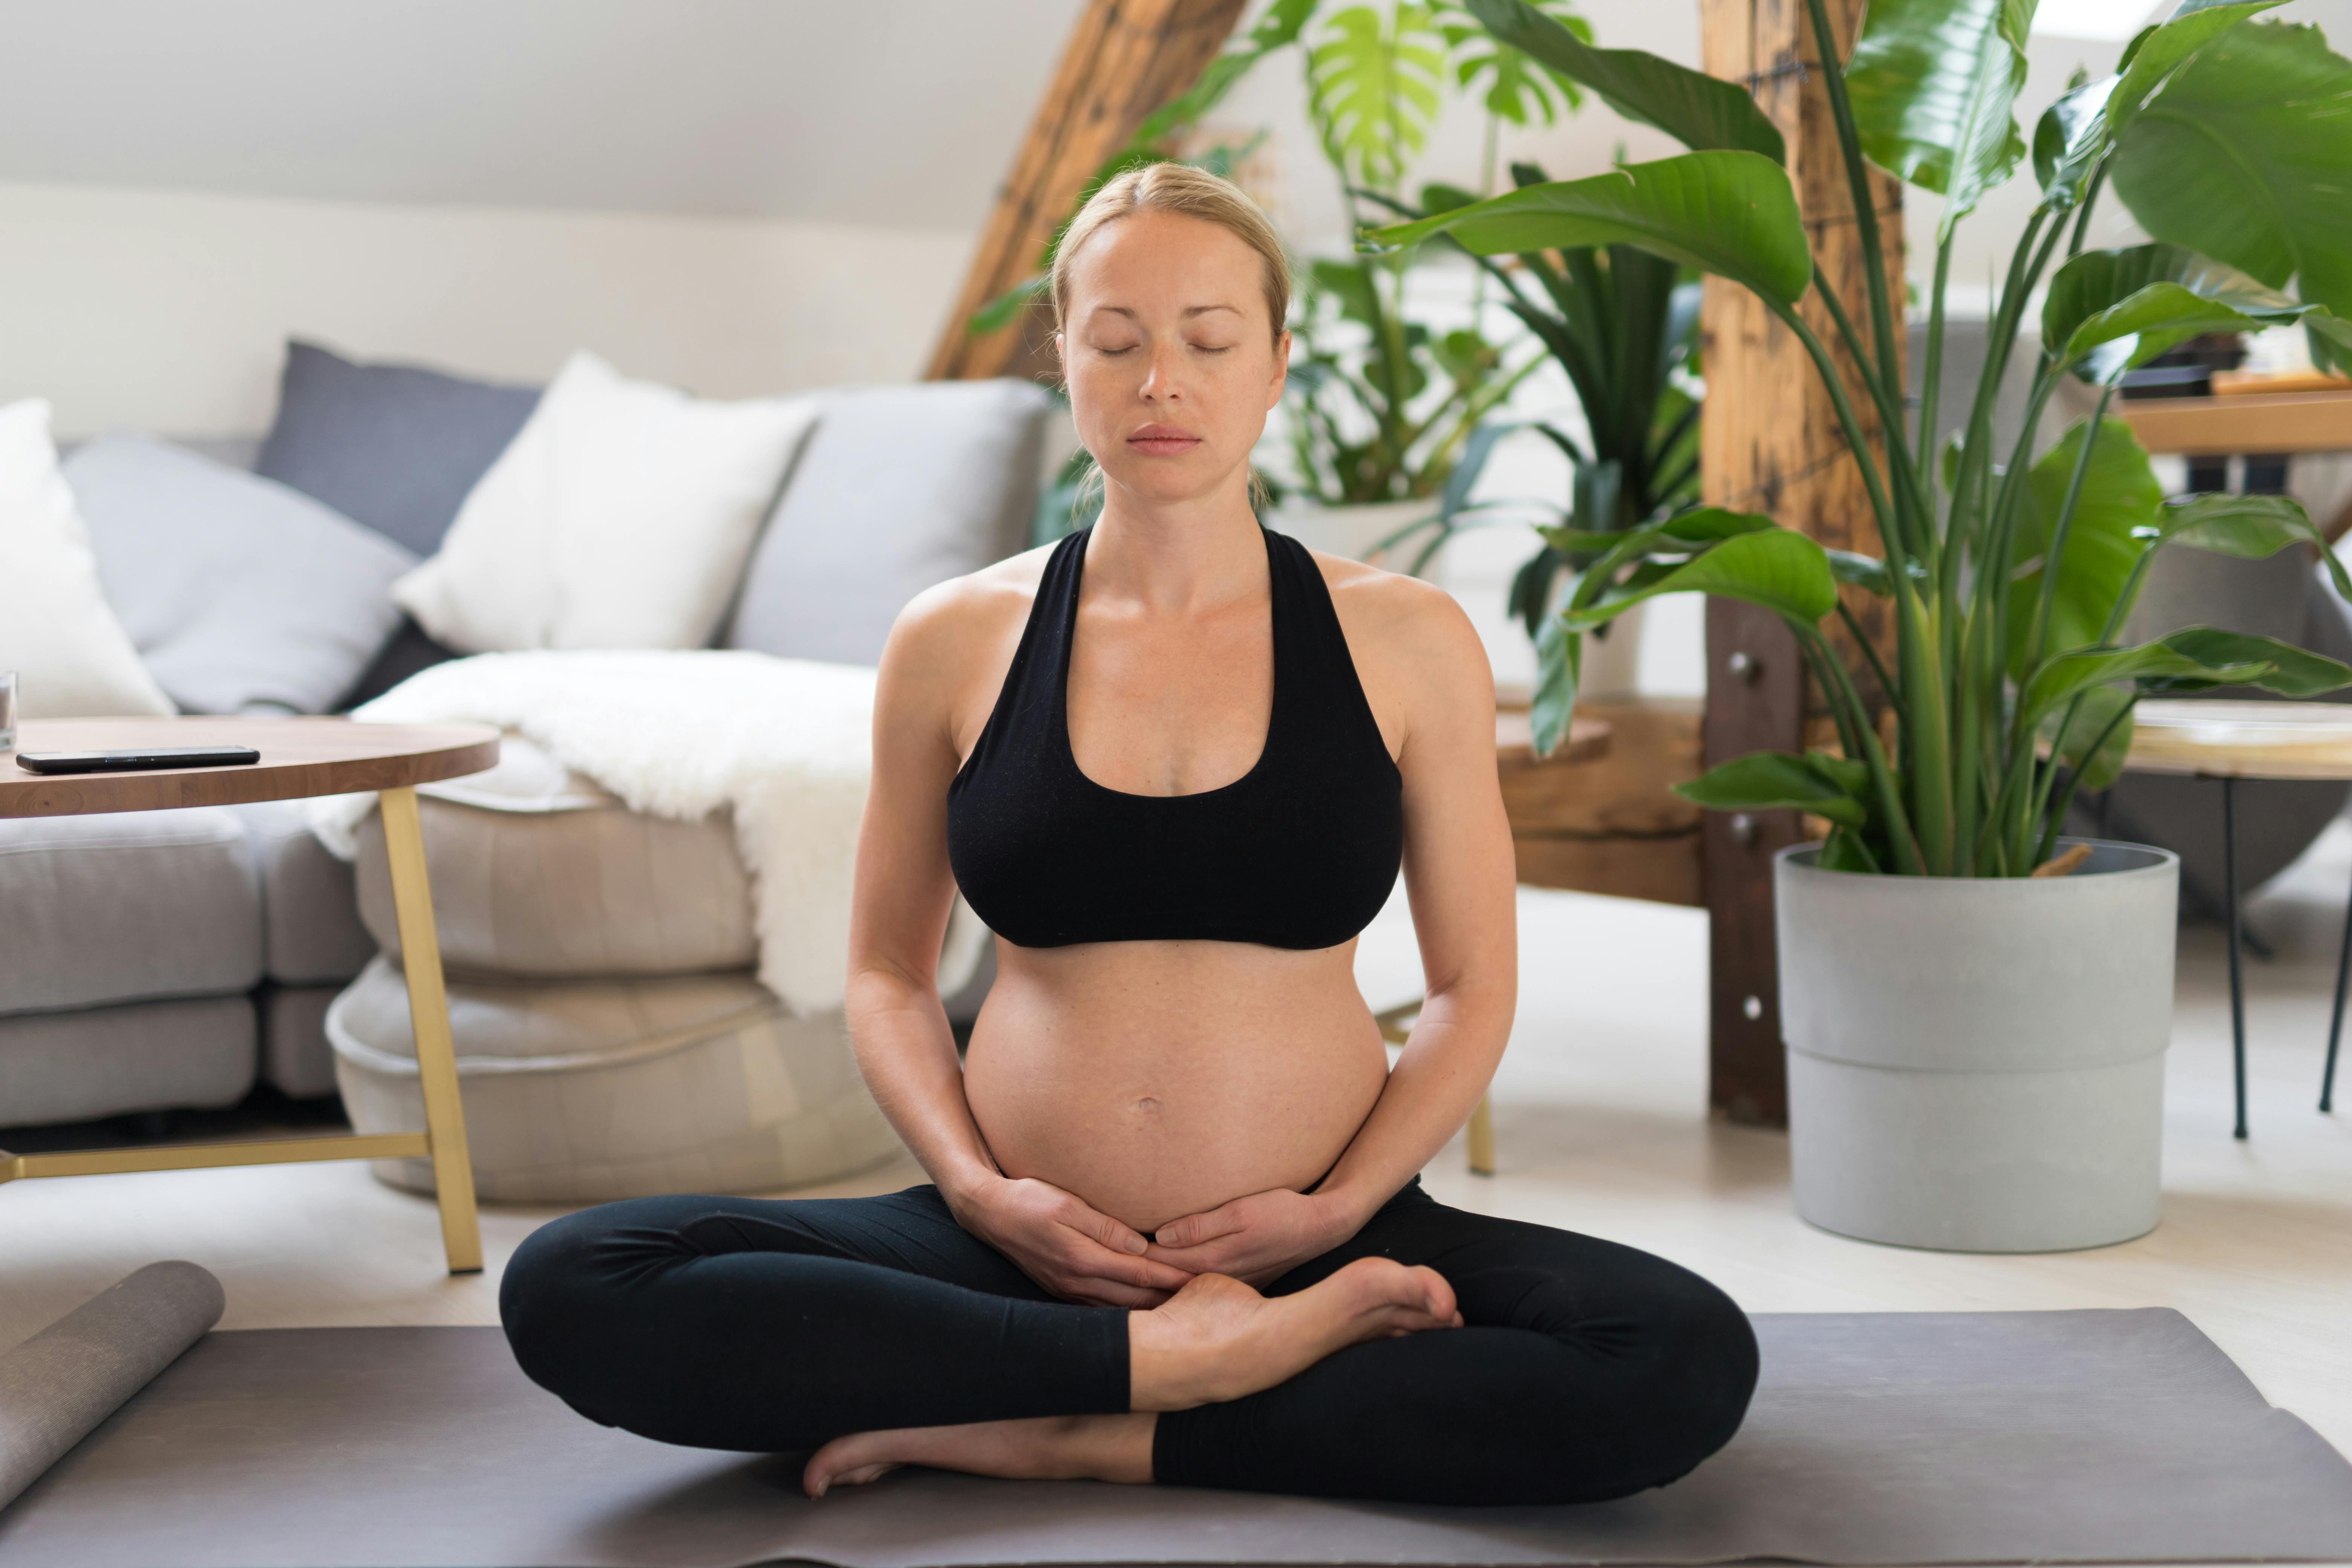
{"type": "Point", "coordinates": [1257, 1239]}
{"type": "Point", "coordinates": [1076, 1252]}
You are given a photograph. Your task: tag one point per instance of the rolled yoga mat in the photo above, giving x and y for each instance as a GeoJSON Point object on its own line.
{"type": "Point", "coordinates": [1883, 1438]}
{"type": "Point", "coordinates": [60, 1383]}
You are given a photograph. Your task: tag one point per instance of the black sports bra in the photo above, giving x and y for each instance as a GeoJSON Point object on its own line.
{"type": "Point", "coordinates": [1299, 852]}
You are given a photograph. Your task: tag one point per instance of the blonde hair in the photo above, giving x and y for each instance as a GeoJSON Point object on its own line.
{"type": "Point", "coordinates": [1193, 193]}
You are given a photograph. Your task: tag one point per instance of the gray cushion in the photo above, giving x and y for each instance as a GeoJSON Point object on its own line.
{"type": "Point", "coordinates": [394, 447]}
{"type": "Point", "coordinates": [902, 487]}
{"type": "Point", "coordinates": [295, 1056]}
{"type": "Point", "coordinates": [140, 904]}
{"type": "Point", "coordinates": [107, 1061]}
{"type": "Point", "coordinates": [311, 925]}
{"type": "Point", "coordinates": [239, 594]}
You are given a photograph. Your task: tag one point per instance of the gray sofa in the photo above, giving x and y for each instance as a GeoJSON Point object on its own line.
{"type": "Point", "coordinates": [168, 959]}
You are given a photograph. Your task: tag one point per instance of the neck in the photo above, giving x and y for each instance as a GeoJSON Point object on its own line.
{"type": "Point", "coordinates": [1177, 557]}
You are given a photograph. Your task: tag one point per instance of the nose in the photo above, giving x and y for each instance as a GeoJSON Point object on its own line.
{"type": "Point", "coordinates": [1161, 383]}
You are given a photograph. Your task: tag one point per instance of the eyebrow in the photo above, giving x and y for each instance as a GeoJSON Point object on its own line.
{"type": "Point", "coordinates": [1189, 310]}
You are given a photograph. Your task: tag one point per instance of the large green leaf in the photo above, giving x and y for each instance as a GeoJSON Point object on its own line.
{"type": "Point", "coordinates": [1517, 87]}
{"type": "Point", "coordinates": [2279, 667]}
{"type": "Point", "coordinates": [1732, 214]}
{"type": "Point", "coordinates": [1558, 656]}
{"type": "Point", "coordinates": [2158, 51]}
{"type": "Point", "coordinates": [2253, 528]}
{"type": "Point", "coordinates": [2113, 516]}
{"type": "Point", "coordinates": [1677, 535]}
{"type": "Point", "coordinates": [1781, 571]}
{"type": "Point", "coordinates": [1932, 83]}
{"type": "Point", "coordinates": [1701, 113]}
{"type": "Point", "coordinates": [2148, 298]}
{"type": "Point", "coordinates": [2071, 674]}
{"type": "Point", "coordinates": [1373, 90]}
{"type": "Point", "coordinates": [2076, 133]}
{"type": "Point", "coordinates": [2099, 736]}
{"type": "Point", "coordinates": [1837, 788]}
{"type": "Point", "coordinates": [2069, 139]}
{"type": "Point", "coordinates": [2244, 153]}
{"type": "Point", "coordinates": [2195, 658]}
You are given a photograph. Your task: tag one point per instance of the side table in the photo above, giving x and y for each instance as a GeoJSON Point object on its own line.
{"type": "Point", "coordinates": [299, 757]}
{"type": "Point", "coordinates": [2230, 741]}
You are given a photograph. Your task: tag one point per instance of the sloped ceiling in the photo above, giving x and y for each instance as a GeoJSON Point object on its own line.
{"type": "Point", "coordinates": [894, 112]}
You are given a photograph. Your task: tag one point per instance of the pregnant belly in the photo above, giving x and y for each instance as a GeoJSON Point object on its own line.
{"type": "Point", "coordinates": [1158, 1080]}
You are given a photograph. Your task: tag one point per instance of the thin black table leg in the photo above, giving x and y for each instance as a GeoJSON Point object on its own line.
{"type": "Point", "coordinates": [2237, 975]}
{"type": "Point", "coordinates": [2336, 1026]}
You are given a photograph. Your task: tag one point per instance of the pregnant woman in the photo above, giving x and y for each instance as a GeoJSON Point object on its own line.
{"type": "Point", "coordinates": [1175, 1234]}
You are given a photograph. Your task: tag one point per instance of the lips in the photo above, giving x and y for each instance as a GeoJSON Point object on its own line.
{"type": "Point", "coordinates": [1162, 441]}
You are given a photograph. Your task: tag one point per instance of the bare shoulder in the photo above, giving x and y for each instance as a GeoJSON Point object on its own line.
{"type": "Point", "coordinates": [1421, 665]}
{"type": "Point", "coordinates": [1392, 619]}
{"type": "Point", "coordinates": [950, 648]}
{"type": "Point", "coordinates": [947, 626]}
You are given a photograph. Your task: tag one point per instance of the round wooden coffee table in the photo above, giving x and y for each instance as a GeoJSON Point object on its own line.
{"type": "Point", "coordinates": [299, 757]}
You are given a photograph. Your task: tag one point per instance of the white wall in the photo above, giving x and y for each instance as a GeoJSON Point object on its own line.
{"type": "Point", "coordinates": [168, 310]}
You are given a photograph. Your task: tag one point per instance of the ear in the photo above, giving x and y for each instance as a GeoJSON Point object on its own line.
{"type": "Point", "coordinates": [1281, 367]}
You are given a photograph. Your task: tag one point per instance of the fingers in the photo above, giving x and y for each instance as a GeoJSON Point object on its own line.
{"type": "Point", "coordinates": [1086, 1258]}
{"type": "Point", "coordinates": [1216, 1256]}
{"type": "Point", "coordinates": [1195, 1228]}
{"type": "Point", "coordinates": [1112, 1293]}
{"type": "Point", "coordinates": [1150, 1273]}
{"type": "Point", "coordinates": [1100, 1228]}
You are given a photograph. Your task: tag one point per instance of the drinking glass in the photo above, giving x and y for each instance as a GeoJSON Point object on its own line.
{"type": "Point", "coordinates": [7, 709]}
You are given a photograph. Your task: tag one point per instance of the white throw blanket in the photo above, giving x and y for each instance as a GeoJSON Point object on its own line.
{"type": "Point", "coordinates": [786, 743]}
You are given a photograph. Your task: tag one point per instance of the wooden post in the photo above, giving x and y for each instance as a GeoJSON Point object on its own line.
{"type": "Point", "coordinates": [1125, 58]}
{"type": "Point", "coordinates": [1770, 442]}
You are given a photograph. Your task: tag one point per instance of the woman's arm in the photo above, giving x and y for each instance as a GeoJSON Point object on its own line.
{"type": "Point", "coordinates": [1427, 675]}
{"type": "Point", "coordinates": [898, 915]}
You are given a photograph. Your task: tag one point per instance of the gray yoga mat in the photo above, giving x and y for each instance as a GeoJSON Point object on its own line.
{"type": "Point", "coordinates": [1885, 1439]}
{"type": "Point", "coordinates": [74, 1374]}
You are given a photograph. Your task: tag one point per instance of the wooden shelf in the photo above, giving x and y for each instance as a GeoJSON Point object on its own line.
{"type": "Point", "coordinates": [1604, 819]}
{"type": "Point", "coordinates": [2263, 423]}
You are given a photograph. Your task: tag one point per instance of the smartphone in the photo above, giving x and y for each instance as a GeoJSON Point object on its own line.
{"type": "Point", "coordinates": [127, 762]}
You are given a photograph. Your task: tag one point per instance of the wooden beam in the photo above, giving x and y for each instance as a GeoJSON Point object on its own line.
{"type": "Point", "coordinates": [1125, 58]}
{"type": "Point", "coordinates": [1770, 442]}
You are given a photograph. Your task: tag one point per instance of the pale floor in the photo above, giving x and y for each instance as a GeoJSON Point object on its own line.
{"type": "Point", "coordinates": [1600, 1115]}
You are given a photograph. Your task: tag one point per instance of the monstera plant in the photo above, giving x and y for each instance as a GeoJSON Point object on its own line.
{"type": "Point", "coordinates": [2009, 574]}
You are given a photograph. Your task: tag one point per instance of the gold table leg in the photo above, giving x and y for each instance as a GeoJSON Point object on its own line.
{"type": "Point", "coordinates": [1482, 1138]}
{"type": "Point", "coordinates": [428, 1013]}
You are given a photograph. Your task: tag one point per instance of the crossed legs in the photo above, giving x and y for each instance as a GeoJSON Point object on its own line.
{"type": "Point", "coordinates": [876, 1331]}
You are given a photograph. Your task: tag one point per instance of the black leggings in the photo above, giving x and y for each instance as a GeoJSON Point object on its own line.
{"type": "Point", "coordinates": [1586, 1371]}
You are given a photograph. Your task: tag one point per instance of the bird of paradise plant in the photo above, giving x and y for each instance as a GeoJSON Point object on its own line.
{"type": "Point", "coordinates": [2009, 576]}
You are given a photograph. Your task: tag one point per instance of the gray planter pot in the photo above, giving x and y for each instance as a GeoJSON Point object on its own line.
{"type": "Point", "coordinates": [1978, 1063]}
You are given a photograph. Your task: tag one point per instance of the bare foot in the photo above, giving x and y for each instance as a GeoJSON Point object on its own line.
{"type": "Point", "coordinates": [1045, 1448]}
{"type": "Point", "coordinates": [1217, 1339]}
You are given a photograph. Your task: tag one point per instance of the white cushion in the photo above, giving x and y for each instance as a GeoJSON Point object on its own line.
{"type": "Point", "coordinates": [620, 518]}
{"type": "Point", "coordinates": [72, 656]}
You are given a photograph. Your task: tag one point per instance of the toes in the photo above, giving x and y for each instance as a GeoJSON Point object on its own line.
{"type": "Point", "coordinates": [1438, 1292]}
{"type": "Point", "coordinates": [845, 1461]}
